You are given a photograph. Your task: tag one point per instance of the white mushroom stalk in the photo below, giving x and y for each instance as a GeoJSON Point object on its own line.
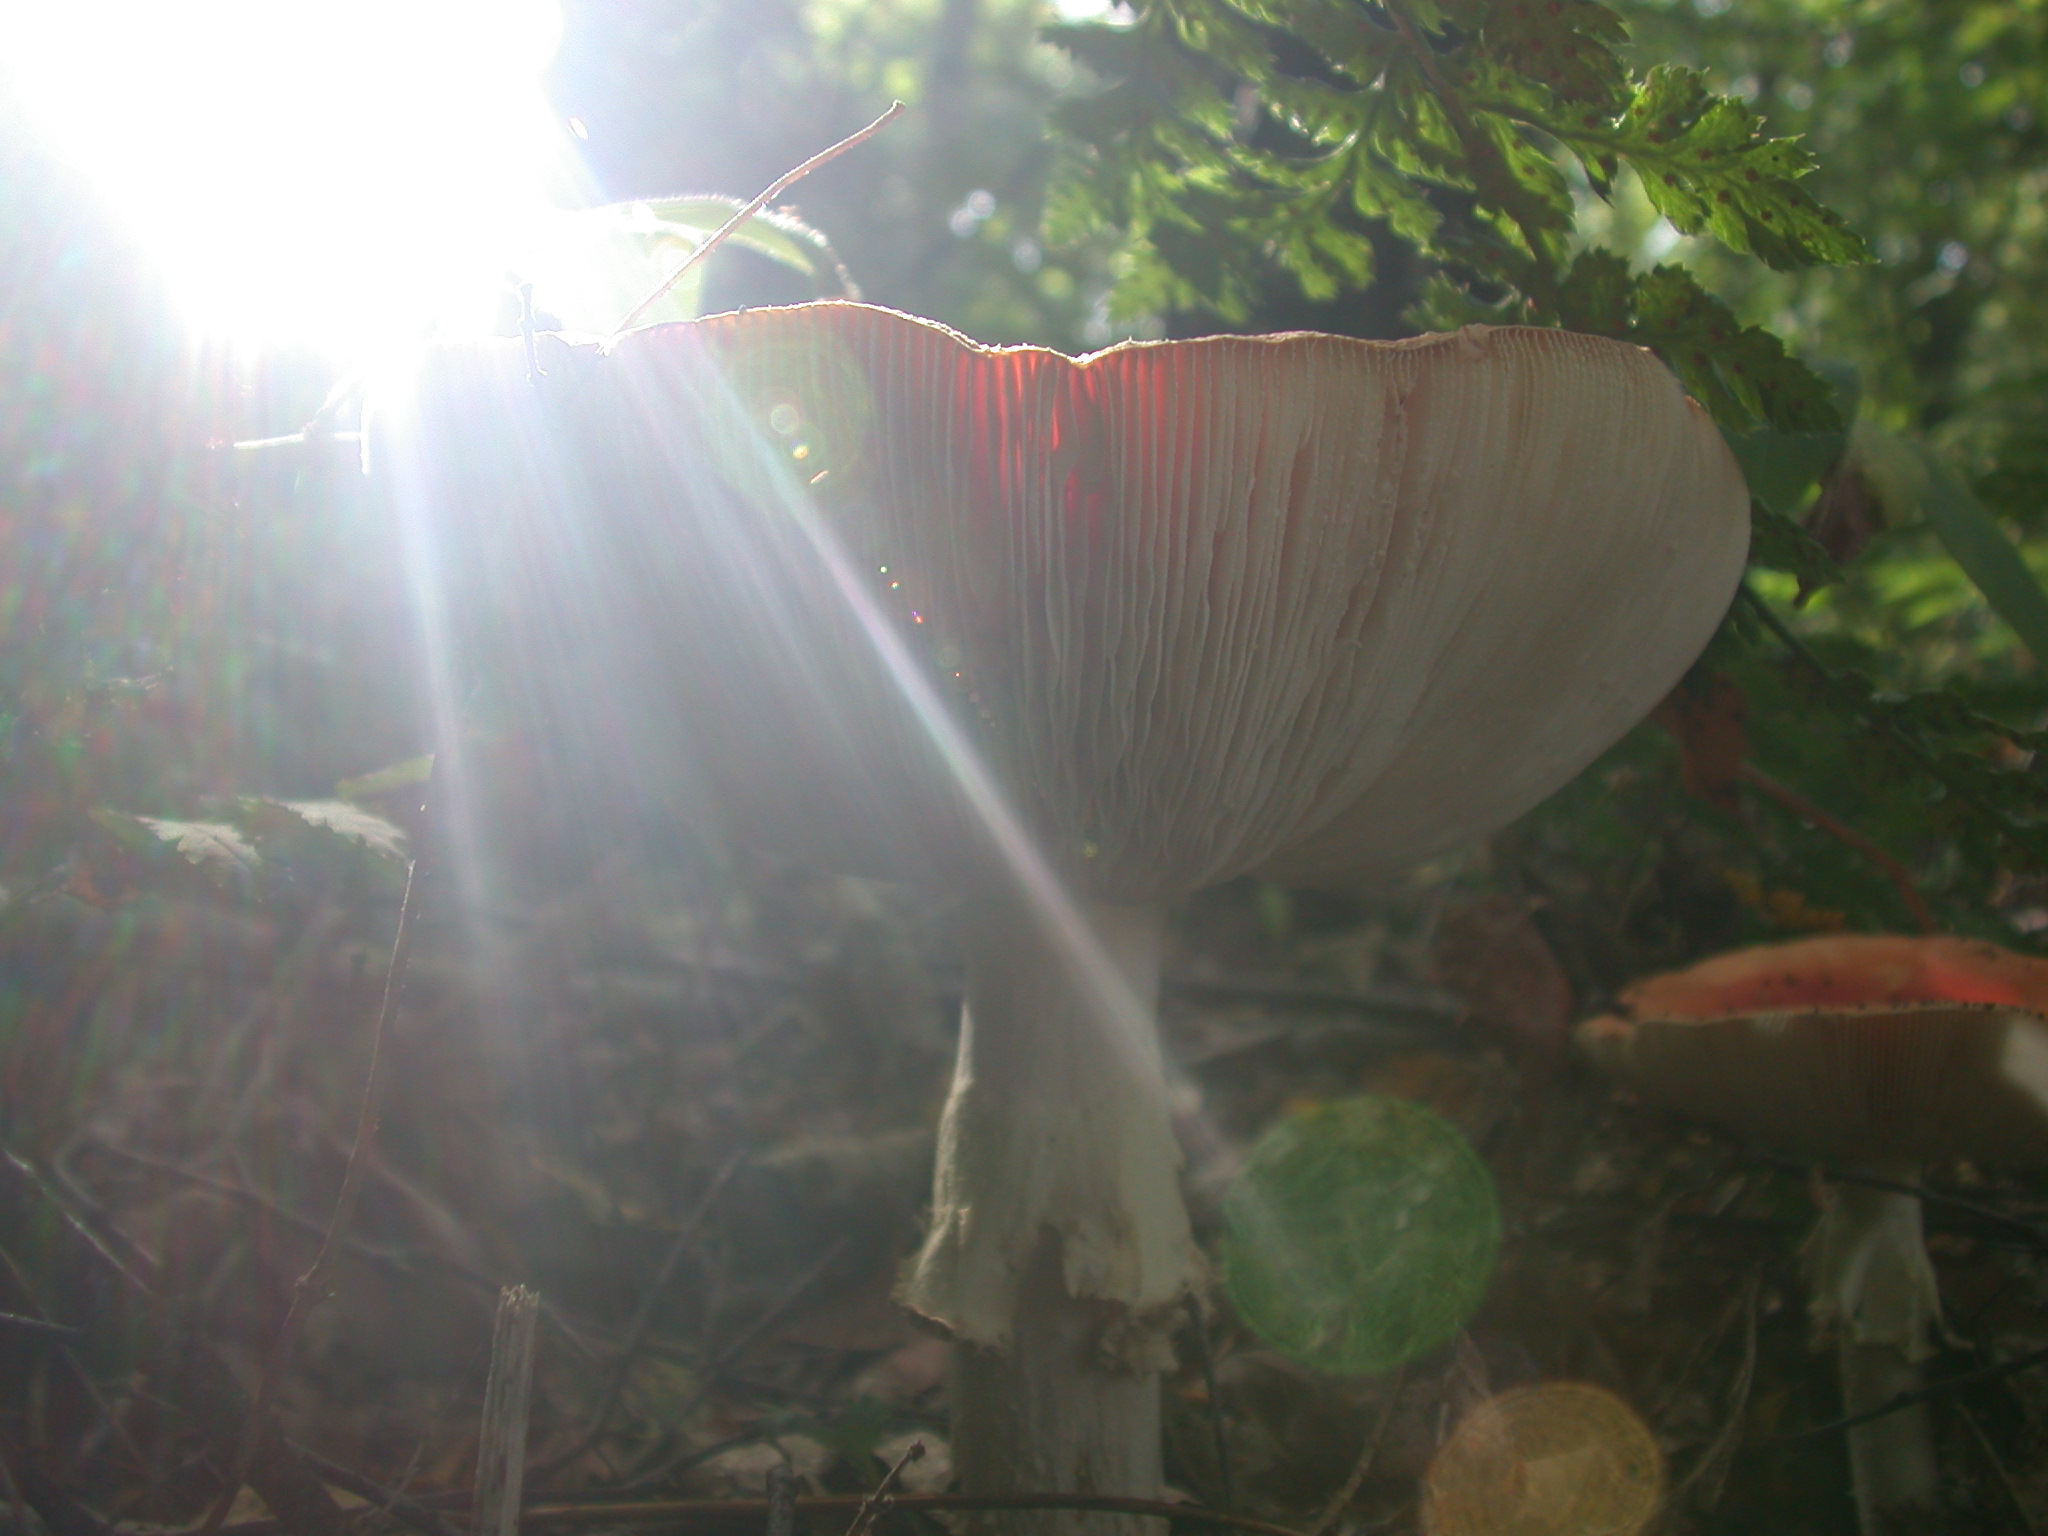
{"type": "Point", "coordinates": [1078, 637]}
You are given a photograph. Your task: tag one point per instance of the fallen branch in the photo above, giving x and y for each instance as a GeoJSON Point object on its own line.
{"type": "Point", "coordinates": [1926, 1394]}
{"type": "Point", "coordinates": [686, 1511]}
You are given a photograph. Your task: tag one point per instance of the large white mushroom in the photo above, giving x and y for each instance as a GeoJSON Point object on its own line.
{"type": "Point", "coordinates": [1078, 637]}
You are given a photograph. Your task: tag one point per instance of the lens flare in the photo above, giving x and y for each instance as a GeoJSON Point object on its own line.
{"type": "Point", "coordinates": [1560, 1459]}
{"type": "Point", "coordinates": [336, 173]}
{"type": "Point", "coordinates": [1360, 1234]}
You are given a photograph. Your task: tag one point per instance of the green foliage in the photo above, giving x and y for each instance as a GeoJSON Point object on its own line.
{"type": "Point", "coordinates": [1231, 137]}
{"type": "Point", "coordinates": [1912, 478]}
{"type": "Point", "coordinates": [1709, 167]}
{"type": "Point", "coordinates": [1701, 185]}
{"type": "Point", "coordinates": [214, 846]}
{"type": "Point", "coordinates": [332, 818]}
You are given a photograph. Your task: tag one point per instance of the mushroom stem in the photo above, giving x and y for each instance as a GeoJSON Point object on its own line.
{"type": "Point", "coordinates": [1873, 1281]}
{"type": "Point", "coordinates": [1059, 1245]}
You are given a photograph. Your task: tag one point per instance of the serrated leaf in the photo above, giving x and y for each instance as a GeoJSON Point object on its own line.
{"type": "Point", "coordinates": [344, 820]}
{"type": "Point", "coordinates": [1778, 544]}
{"type": "Point", "coordinates": [1709, 168]}
{"type": "Point", "coordinates": [1565, 46]}
{"type": "Point", "coordinates": [1742, 374]}
{"type": "Point", "coordinates": [381, 781]}
{"type": "Point", "coordinates": [214, 846]}
{"type": "Point", "coordinates": [1782, 468]}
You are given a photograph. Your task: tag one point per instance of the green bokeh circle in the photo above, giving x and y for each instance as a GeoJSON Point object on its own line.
{"type": "Point", "coordinates": [1360, 1234]}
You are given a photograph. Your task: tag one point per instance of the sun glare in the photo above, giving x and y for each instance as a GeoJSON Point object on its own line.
{"type": "Point", "coordinates": [335, 173]}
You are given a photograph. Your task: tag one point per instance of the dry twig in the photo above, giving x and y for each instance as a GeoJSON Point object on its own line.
{"type": "Point", "coordinates": [767, 194]}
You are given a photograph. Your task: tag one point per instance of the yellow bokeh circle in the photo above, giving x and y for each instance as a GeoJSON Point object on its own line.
{"type": "Point", "coordinates": [1560, 1459]}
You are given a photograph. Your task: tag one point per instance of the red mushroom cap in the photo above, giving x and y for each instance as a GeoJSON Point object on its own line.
{"type": "Point", "coordinates": [1878, 1048]}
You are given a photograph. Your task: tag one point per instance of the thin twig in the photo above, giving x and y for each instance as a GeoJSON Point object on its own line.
{"type": "Point", "coordinates": [676, 1511]}
{"type": "Point", "coordinates": [1206, 1358]}
{"type": "Point", "coordinates": [1926, 1394]}
{"type": "Point", "coordinates": [643, 1317]}
{"type": "Point", "coordinates": [1341, 1500]}
{"type": "Point", "coordinates": [306, 1291]}
{"type": "Point", "coordinates": [405, 1511]}
{"type": "Point", "coordinates": [2012, 1494]}
{"type": "Point", "coordinates": [1709, 1475]}
{"type": "Point", "coordinates": [57, 1336]}
{"type": "Point", "coordinates": [36, 1327]}
{"type": "Point", "coordinates": [2014, 1224]}
{"type": "Point", "coordinates": [712, 1370]}
{"type": "Point", "coordinates": [2026, 837]}
{"type": "Point", "coordinates": [773, 190]}
{"type": "Point", "coordinates": [125, 1264]}
{"type": "Point", "coordinates": [772, 1315]}
{"type": "Point", "coordinates": [873, 1504]}
{"type": "Point", "coordinates": [1897, 873]}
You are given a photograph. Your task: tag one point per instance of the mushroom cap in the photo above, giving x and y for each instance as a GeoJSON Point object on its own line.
{"type": "Point", "coordinates": [1883, 1049]}
{"type": "Point", "coordinates": [1300, 604]}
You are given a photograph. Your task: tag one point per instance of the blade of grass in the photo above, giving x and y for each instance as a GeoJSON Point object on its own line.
{"type": "Point", "coordinates": [1910, 474]}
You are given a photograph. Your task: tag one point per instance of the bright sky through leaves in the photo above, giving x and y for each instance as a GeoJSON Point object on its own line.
{"type": "Point", "coordinates": [338, 173]}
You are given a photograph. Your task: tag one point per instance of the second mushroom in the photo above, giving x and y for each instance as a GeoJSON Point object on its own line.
{"type": "Point", "coordinates": [1878, 1055]}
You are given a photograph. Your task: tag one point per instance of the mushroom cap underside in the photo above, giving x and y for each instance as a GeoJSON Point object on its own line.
{"type": "Point", "coordinates": [1891, 1084]}
{"type": "Point", "coordinates": [1302, 604]}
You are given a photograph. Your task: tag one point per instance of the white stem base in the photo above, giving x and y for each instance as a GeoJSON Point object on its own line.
{"type": "Point", "coordinates": [1059, 1247]}
{"type": "Point", "coordinates": [1045, 1414]}
{"type": "Point", "coordinates": [1892, 1462]}
{"type": "Point", "coordinates": [1057, 1123]}
{"type": "Point", "coordinates": [1872, 1281]}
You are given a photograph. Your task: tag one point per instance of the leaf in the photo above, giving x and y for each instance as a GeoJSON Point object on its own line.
{"type": "Point", "coordinates": [1782, 468]}
{"type": "Point", "coordinates": [1564, 46]}
{"type": "Point", "coordinates": [1708, 167]}
{"type": "Point", "coordinates": [588, 269]}
{"type": "Point", "coordinates": [214, 846]}
{"type": "Point", "coordinates": [779, 236]}
{"type": "Point", "coordinates": [1909, 474]}
{"type": "Point", "coordinates": [1740, 373]}
{"type": "Point", "coordinates": [341, 819]}
{"type": "Point", "coordinates": [1778, 544]}
{"type": "Point", "coordinates": [381, 781]}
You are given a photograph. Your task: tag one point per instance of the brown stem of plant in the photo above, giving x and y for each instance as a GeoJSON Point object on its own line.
{"type": "Point", "coordinates": [727, 1511]}
{"type": "Point", "coordinates": [773, 190]}
{"type": "Point", "coordinates": [1366, 1457]}
{"type": "Point", "coordinates": [306, 1291]}
{"type": "Point", "coordinates": [643, 1317]}
{"type": "Point", "coordinates": [1489, 171]}
{"type": "Point", "coordinates": [879, 1499]}
{"type": "Point", "coordinates": [2029, 838]}
{"type": "Point", "coordinates": [1897, 873]}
